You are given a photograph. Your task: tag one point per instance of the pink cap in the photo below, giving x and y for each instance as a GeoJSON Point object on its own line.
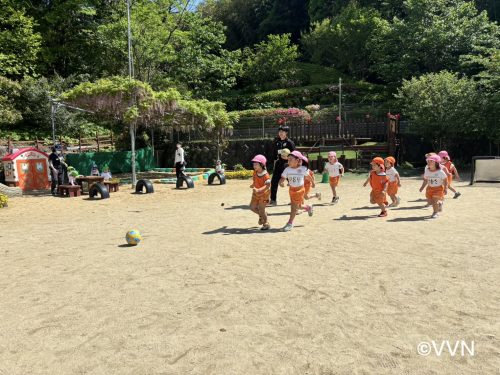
{"type": "Point", "coordinates": [305, 159]}
{"type": "Point", "coordinates": [259, 159]}
{"type": "Point", "coordinates": [297, 154]}
{"type": "Point", "coordinates": [332, 154]}
{"type": "Point", "coordinates": [443, 154]}
{"type": "Point", "coordinates": [435, 158]}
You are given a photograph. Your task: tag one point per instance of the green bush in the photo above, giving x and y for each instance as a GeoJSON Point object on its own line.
{"type": "Point", "coordinates": [3, 200]}
{"type": "Point", "coordinates": [241, 174]}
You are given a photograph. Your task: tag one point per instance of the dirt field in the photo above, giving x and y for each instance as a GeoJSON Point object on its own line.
{"type": "Point", "coordinates": [206, 292]}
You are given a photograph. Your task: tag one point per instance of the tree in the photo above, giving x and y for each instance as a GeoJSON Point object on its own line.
{"type": "Point", "coordinates": [285, 17]}
{"type": "Point", "coordinates": [9, 91]}
{"type": "Point", "coordinates": [19, 44]}
{"type": "Point", "coordinates": [486, 65]}
{"type": "Point", "coordinates": [270, 60]}
{"type": "Point", "coordinates": [126, 101]}
{"type": "Point", "coordinates": [241, 18]}
{"type": "Point", "coordinates": [431, 38]}
{"type": "Point", "coordinates": [200, 62]}
{"type": "Point", "coordinates": [344, 41]}
{"type": "Point", "coordinates": [171, 47]}
{"type": "Point", "coordinates": [69, 32]}
{"type": "Point", "coordinates": [442, 105]}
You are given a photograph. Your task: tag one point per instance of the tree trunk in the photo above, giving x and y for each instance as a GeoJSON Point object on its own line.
{"type": "Point", "coordinates": [132, 146]}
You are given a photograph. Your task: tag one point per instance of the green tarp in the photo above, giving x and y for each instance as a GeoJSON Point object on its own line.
{"type": "Point", "coordinates": [118, 162]}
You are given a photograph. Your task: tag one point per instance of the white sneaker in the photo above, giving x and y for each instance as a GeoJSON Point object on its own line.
{"type": "Point", "coordinates": [288, 227]}
{"type": "Point", "coordinates": [310, 210]}
{"type": "Point", "coordinates": [435, 215]}
{"type": "Point", "coordinates": [398, 201]}
{"type": "Point", "coordinates": [318, 195]}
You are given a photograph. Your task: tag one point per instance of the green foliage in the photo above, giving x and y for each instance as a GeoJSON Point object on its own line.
{"type": "Point", "coordinates": [69, 32]}
{"type": "Point", "coordinates": [123, 100]}
{"type": "Point", "coordinates": [285, 17]}
{"type": "Point", "coordinates": [239, 167]}
{"type": "Point", "coordinates": [9, 92]}
{"type": "Point", "coordinates": [344, 39]}
{"type": "Point", "coordinates": [270, 60]}
{"type": "Point", "coordinates": [442, 105]}
{"type": "Point", "coordinates": [241, 18]}
{"type": "Point", "coordinates": [243, 174]}
{"type": "Point", "coordinates": [432, 37]}
{"type": "Point", "coordinates": [4, 200]}
{"type": "Point", "coordinates": [358, 92]}
{"type": "Point", "coordinates": [19, 44]}
{"type": "Point", "coordinates": [171, 47]}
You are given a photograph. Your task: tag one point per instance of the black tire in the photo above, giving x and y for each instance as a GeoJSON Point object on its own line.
{"type": "Point", "coordinates": [98, 189]}
{"type": "Point", "coordinates": [221, 177]}
{"type": "Point", "coordinates": [144, 184]}
{"type": "Point", "coordinates": [183, 178]}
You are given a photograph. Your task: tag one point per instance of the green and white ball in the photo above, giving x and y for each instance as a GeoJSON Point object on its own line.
{"type": "Point", "coordinates": [133, 237]}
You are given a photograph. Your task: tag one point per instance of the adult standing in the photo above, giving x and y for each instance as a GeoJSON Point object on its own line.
{"type": "Point", "coordinates": [282, 141]}
{"type": "Point", "coordinates": [179, 161]}
{"type": "Point", "coordinates": [56, 170]}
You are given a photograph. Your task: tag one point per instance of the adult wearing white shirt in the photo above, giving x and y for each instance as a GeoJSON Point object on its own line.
{"type": "Point", "coordinates": [179, 160]}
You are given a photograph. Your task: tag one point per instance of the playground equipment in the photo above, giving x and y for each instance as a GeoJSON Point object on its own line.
{"type": "Point", "coordinates": [27, 168]}
{"type": "Point", "coordinates": [184, 178]}
{"type": "Point", "coordinates": [145, 185]}
{"type": "Point", "coordinates": [485, 169]}
{"type": "Point", "coordinates": [219, 176]}
{"type": "Point", "coordinates": [98, 189]}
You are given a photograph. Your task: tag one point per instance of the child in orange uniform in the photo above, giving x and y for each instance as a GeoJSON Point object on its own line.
{"type": "Point", "coordinates": [261, 190]}
{"type": "Point", "coordinates": [394, 180]}
{"type": "Point", "coordinates": [335, 172]}
{"type": "Point", "coordinates": [445, 161]}
{"type": "Point", "coordinates": [296, 174]}
{"type": "Point", "coordinates": [378, 181]}
{"type": "Point", "coordinates": [309, 182]}
{"type": "Point", "coordinates": [436, 181]}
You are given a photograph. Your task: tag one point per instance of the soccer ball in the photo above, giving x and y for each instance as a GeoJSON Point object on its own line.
{"type": "Point", "coordinates": [133, 237]}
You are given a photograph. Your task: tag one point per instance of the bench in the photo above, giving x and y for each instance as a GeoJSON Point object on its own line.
{"type": "Point", "coordinates": [112, 186]}
{"type": "Point", "coordinates": [69, 190]}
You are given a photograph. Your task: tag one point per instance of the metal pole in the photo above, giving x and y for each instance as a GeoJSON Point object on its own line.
{"type": "Point", "coordinates": [129, 32]}
{"type": "Point", "coordinates": [53, 120]}
{"type": "Point", "coordinates": [131, 75]}
{"type": "Point", "coordinates": [340, 105]}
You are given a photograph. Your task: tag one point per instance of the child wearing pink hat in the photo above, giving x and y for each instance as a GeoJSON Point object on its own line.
{"type": "Point", "coordinates": [261, 190]}
{"type": "Point", "coordinates": [446, 162]}
{"type": "Point", "coordinates": [335, 172]}
{"type": "Point", "coordinates": [295, 173]}
{"type": "Point", "coordinates": [436, 181]}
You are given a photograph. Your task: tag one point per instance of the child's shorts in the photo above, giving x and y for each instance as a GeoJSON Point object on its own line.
{"type": "Point", "coordinates": [378, 197]}
{"type": "Point", "coordinates": [262, 198]}
{"type": "Point", "coordinates": [334, 181]}
{"type": "Point", "coordinates": [392, 188]}
{"type": "Point", "coordinates": [297, 194]}
{"type": "Point", "coordinates": [436, 192]}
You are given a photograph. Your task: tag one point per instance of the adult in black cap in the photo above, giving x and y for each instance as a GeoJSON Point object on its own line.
{"type": "Point", "coordinates": [282, 141]}
{"type": "Point", "coordinates": [57, 168]}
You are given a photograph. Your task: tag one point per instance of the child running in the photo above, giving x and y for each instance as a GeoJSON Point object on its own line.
{"type": "Point", "coordinates": [445, 161]}
{"type": "Point", "coordinates": [335, 172]}
{"type": "Point", "coordinates": [436, 181]}
{"type": "Point", "coordinates": [261, 190]}
{"type": "Point", "coordinates": [309, 182]}
{"type": "Point", "coordinates": [378, 181]}
{"type": "Point", "coordinates": [296, 174]}
{"type": "Point", "coordinates": [394, 181]}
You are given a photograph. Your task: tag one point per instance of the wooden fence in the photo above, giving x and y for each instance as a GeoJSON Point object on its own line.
{"type": "Point", "coordinates": [98, 143]}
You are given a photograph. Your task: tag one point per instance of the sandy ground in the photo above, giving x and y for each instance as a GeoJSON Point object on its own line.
{"type": "Point", "coordinates": [208, 293]}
